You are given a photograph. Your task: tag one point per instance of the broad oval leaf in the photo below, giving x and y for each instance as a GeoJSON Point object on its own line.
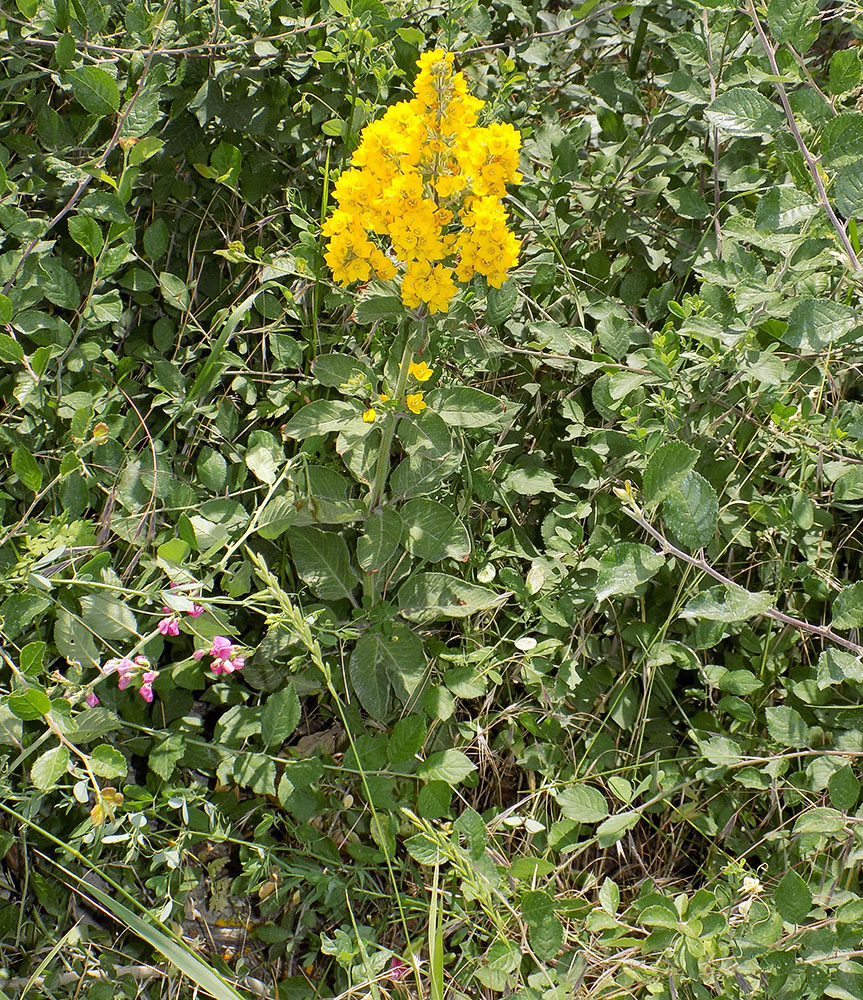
{"type": "Point", "coordinates": [426, 597]}
{"type": "Point", "coordinates": [743, 111]}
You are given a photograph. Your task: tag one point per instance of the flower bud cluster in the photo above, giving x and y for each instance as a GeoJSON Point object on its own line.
{"type": "Point", "coordinates": [431, 180]}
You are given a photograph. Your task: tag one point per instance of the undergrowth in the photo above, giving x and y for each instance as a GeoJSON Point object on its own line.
{"type": "Point", "coordinates": [541, 675]}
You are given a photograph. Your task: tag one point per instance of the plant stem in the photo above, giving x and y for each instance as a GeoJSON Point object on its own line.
{"type": "Point", "coordinates": [382, 470]}
{"type": "Point", "coordinates": [811, 162]}
{"type": "Point", "coordinates": [827, 634]}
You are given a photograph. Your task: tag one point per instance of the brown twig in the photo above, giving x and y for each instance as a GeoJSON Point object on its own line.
{"type": "Point", "coordinates": [811, 162]}
{"type": "Point", "coordinates": [828, 635]}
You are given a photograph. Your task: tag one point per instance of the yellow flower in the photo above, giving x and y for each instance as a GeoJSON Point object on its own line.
{"type": "Point", "coordinates": [369, 416]}
{"type": "Point", "coordinates": [383, 397]}
{"type": "Point", "coordinates": [415, 402]}
{"type": "Point", "coordinates": [421, 372]}
{"type": "Point", "coordinates": [421, 172]}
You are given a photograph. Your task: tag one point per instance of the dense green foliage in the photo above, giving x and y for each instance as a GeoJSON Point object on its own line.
{"type": "Point", "coordinates": [576, 710]}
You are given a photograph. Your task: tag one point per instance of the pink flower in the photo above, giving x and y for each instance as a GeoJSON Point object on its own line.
{"type": "Point", "coordinates": [123, 667]}
{"type": "Point", "coordinates": [198, 654]}
{"type": "Point", "coordinates": [142, 661]}
{"type": "Point", "coordinates": [196, 611]}
{"type": "Point", "coordinates": [146, 690]}
{"type": "Point", "coordinates": [168, 626]}
{"type": "Point", "coordinates": [398, 969]}
{"type": "Point", "coordinates": [92, 700]}
{"type": "Point", "coordinates": [221, 648]}
{"type": "Point", "coordinates": [124, 681]}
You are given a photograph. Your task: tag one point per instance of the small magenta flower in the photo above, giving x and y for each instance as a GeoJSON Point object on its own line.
{"type": "Point", "coordinates": [222, 647]}
{"type": "Point", "coordinates": [398, 969]}
{"type": "Point", "coordinates": [169, 625]}
{"type": "Point", "coordinates": [199, 654]}
{"type": "Point", "coordinates": [196, 611]}
{"type": "Point", "coordinates": [92, 700]}
{"type": "Point", "coordinates": [146, 690]}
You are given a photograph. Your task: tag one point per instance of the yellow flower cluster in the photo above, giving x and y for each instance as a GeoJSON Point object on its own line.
{"type": "Point", "coordinates": [431, 180]}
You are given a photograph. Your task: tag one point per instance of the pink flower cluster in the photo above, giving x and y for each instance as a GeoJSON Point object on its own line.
{"type": "Point", "coordinates": [225, 660]}
{"type": "Point", "coordinates": [170, 625]}
{"type": "Point", "coordinates": [126, 670]}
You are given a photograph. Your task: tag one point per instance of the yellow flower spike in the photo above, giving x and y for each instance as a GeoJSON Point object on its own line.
{"type": "Point", "coordinates": [422, 201]}
{"type": "Point", "coordinates": [369, 416]}
{"type": "Point", "coordinates": [415, 402]}
{"type": "Point", "coordinates": [421, 371]}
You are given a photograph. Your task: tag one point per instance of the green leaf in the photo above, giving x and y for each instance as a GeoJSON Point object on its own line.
{"type": "Point", "coordinates": [816, 323]}
{"type": "Point", "coordinates": [26, 469]}
{"type": "Point", "coordinates": [624, 567]}
{"type": "Point", "coordinates": [281, 716]}
{"type": "Point", "coordinates": [320, 417]}
{"type": "Point", "coordinates": [583, 804]}
{"type": "Point", "coordinates": [835, 666]}
{"type": "Point", "coordinates": [275, 519]}
{"type": "Point", "coordinates": [434, 532]}
{"type": "Point", "coordinates": [49, 768]}
{"type": "Point", "coordinates": [108, 617]}
{"type": "Point", "coordinates": [846, 71]}
{"type": "Point", "coordinates": [381, 540]}
{"type": "Point", "coordinates": [87, 233]}
{"type": "Point", "coordinates": [108, 762]}
{"type": "Point", "coordinates": [58, 285]}
{"type": "Point", "coordinates": [426, 597]}
{"type": "Point", "coordinates": [174, 291]}
{"type": "Point", "coordinates": [451, 766]}
{"type": "Point", "coordinates": [687, 203]}
{"type": "Point", "coordinates": [463, 406]}
{"type": "Point", "coordinates": [727, 604]}
{"type": "Point", "coordinates": [743, 111]}
{"type": "Point", "coordinates": [501, 302]}
{"type": "Point", "coordinates": [30, 704]}
{"type": "Point", "coordinates": [32, 656]}
{"type": "Point", "coordinates": [666, 469]}
{"type": "Point", "coordinates": [792, 898]}
{"type": "Point", "coordinates": [335, 370]}
{"type": "Point", "coordinates": [545, 931]}
{"type": "Point", "coordinates": [842, 140]}
{"type": "Point", "coordinates": [384, 660]}
{"type": "Point", "coordinates": [321, 559]}
{"type": "Point", "coordinates": [784, 208]}
{"type": "Point", "coordinates": [721, 750]}
{"type": "Point", "coordinates": [406, 740]}
{"type": "Point", "coordinates": [144, 149]}
{"type": "Point", "coordinates": [379, 307]}
{"type": "Point", "coordinates": [848, 189]}
{"type": "Point", "coordinates": [64, 51]}
{"type": "Point", "coordinates": [212, 469]}
{"type": "Point", "coordinates": [796, 22]}
{"type": "Point", "coordinates": [691, 511]}
{"type": "Point", "coordinates": [264, 456]}
{"type": "Point", "coordinates": [848, 607]}
{"type": "Point", "coordinates": [95, 90]}
{"type": "Point", "coordinates": [611, 830]}
{"type": "Point", "coordinates": [368, 673]}
{"type": "Point", "coordinates": [844, 788]}
{"type": "Point", "coordinates": [255, 771]}
{"type": "Point", "coordinates": [787, 726]}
